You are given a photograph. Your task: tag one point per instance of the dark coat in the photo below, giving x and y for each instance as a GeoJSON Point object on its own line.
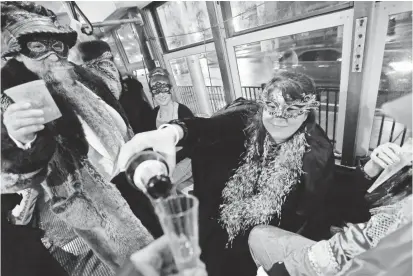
{"type": "Point", "coordinates": [137, 109]}
{"type": "Point", "coordinates": [353, 204]}
{"type": "Point", "coordinates": [71, 143]}
{"type": "Point", "coordinates": [217, 145]}
{"type": "Point", "coordinates": [183, 112]}
{"type": "Point", "coordinates": [22, 252]}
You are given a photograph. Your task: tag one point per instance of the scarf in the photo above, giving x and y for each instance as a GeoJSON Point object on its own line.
{"type": "Point", "coordinates": [258, 189]}
{"type": "Point", "coordinates": [91, 109]}
{"type": "Point", "coordinates": [104, 68]}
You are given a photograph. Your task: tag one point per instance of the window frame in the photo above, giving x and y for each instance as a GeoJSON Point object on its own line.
{"type": "Point", "coordinates": [208, 47]}
{"type": "Point", "coordinates": [159, 31]}
{"type": "Point", "coordinates": [115, 33]}
{"type": "Point", "coordinates": [373, 60]}
{"type": "Point", "coordinates": [325, 21]}
{"type": "Point", "coordinates": [128, 65]}
{"type": "Point", "coordinates": [229, 28]}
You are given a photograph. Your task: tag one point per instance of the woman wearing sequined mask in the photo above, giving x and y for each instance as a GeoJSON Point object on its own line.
{"type": "Point", "coordinates": [255, 163]}
{"type": "Point", "coordinates": [167, 109]}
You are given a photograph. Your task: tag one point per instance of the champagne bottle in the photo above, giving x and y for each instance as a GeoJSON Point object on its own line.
{"type": "Point", "coordinates": [149, 168]}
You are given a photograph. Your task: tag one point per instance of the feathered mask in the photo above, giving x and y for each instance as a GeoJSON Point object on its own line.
{"type": "Point", "coordinates": [282, 105]}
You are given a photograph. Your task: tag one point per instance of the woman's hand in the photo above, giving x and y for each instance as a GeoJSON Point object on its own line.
{"type": "Point", "coordinates": [382, 157]}
{"type": "Point", "coordinates": [161, 140]}
{"type": "Point", "coordinates": [23, 122]}
{"type": "Point", "coordinates": [156, 260]}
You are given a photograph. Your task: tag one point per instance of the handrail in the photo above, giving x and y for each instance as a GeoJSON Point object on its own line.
{"type": "Point", "coordinates": [84, 28]}
{"type": "Point", "coordinates": [89, 27]}
{"type": "Point", "coordinates": [137, 20]}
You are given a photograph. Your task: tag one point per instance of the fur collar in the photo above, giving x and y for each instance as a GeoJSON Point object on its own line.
{"type": "Point", "coordinates": [256, 193]}
{"type": "Point", "coordinates": [15, 73]}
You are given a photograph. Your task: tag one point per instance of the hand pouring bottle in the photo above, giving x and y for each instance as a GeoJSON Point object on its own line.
{"type": "Point", "coordinates": [148, 171]}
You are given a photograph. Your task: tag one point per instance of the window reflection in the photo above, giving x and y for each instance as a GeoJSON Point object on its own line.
{"type": "Point", "coordinates": [395, 79]}
{"type": "Point", "coordinates": [209, 68]}
{"type": "Point", "coordinates": [180, 72]}
{"type": "Point", "coordinates": [258, 13]}
{"type": "Point", "coordinates": [213, 80]}
{"type": "Point", "coordinates": [130, 44]}
{"type": "Point", "coordinates": [183, 23]}
{"type": "Point", "coordinates": [316, 54]}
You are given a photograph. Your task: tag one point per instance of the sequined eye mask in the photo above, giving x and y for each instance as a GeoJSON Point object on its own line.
{"type": "Point", "coordinates": [159, 87]}
{"type": "Point", "coordinates": [42, 48]}
{"type": "Point", "coordinates": [277, 107]}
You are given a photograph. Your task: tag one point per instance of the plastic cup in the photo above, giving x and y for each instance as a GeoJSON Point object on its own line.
{"type": "Point", "coordinates": [178, 216]}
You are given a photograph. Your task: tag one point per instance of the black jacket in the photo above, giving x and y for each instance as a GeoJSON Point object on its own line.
{"type": "Point", "coordinates": [353, 203]}
{"type": "Point", "coordinates": [22, 252]}
{"type": "Point", "coordinates": [183, 112]}
{"type": "Point", "coordinates": [137, 109]}
{"type": "Point", "coordinates": [216, 144]}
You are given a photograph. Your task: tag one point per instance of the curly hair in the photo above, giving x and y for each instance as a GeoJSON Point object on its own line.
{"type": "Point", "coordinates": [292, 85]}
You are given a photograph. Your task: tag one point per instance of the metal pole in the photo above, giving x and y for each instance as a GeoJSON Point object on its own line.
{"type": "Point", "coordinates": [355, 85]}
{"type": "Point", "coordinates": [219, 41]}
{"type": "Point", "coordinates": [141, 38]}
{"type": "Point", "coordinates": [198, 83]}
{"type": "Point", "coordinates": [138, 21]}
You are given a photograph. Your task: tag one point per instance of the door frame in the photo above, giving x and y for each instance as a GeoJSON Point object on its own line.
{"type": "Point", "coordinates": [344, 18]}
{"type": "Point", "coordinates": [207, 47]}
{"type": "Point", "coordinates": [373, 66]}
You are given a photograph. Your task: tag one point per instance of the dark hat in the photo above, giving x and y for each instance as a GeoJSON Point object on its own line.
{"type": "Point", "coordinates": [20, 19]}
{"type": "Point", "coordinates": [92, 50]}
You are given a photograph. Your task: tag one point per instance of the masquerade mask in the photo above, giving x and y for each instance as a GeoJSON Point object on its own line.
{"type": "Point", "coordinates": [41, 49]}
{"type": "Point", "coordinates": [275, 104]}
{"type": "Point", "coordinates": [159, 87]}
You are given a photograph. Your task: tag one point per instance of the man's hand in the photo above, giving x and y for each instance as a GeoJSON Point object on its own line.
{"type": "Point", "coordinates": [382, 157]}
{"type": "Point", "coordinates": [23, 122]}
{"type": "Point", "coordinates": [156, 260]}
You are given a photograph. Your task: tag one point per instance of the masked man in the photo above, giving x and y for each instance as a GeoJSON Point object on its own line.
{"type": "Point", "coordinates": [63, 168]}
{"type": "Point", "coordinates": [98, 58]}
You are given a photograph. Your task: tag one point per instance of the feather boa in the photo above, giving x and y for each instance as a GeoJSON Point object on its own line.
{"type": "Point", "coordinates": [258, 189]}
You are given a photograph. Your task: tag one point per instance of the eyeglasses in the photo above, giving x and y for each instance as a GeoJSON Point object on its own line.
{"type": "Point", "coordinates": [159, 87]}
{"type": "Point", "coordinates": [40, 49]}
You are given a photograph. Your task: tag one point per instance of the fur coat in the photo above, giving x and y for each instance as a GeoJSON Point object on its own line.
{"type": "Point", "coordinates": [94, 209]}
